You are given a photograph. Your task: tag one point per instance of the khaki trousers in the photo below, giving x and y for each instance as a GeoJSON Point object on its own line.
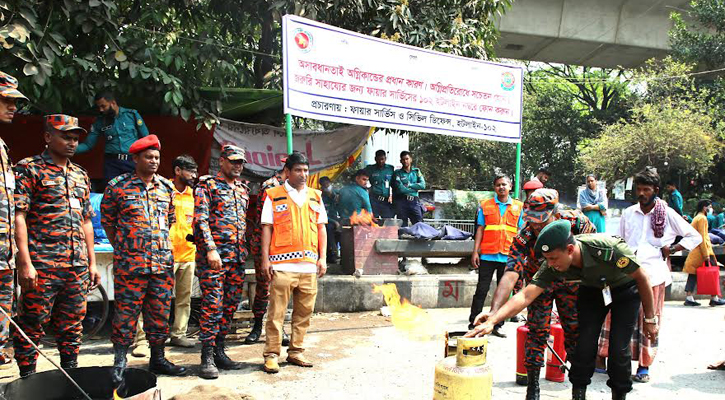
{"type": "Point", "coordinates": [303, 288]}
{"type": "Point", "coordinates": [184, 276]}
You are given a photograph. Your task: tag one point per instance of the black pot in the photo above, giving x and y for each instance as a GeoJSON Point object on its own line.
{"type": "Point", "coordinates": [96, 381]}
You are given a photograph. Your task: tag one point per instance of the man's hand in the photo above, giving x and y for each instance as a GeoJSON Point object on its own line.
{"type": "Point", "coordinates": [27, 277]}
{"type": "Point", "coordinates": [665, 252]}
{"type": "Point", "coordinates": [93, 276]}
{"type": "Point", "coordinates": [482, 317]}
{"type": "Point", "coordinates": [321, 267]}
{"type": "Point", "coordinates": [713, 260]}
{"type": "Point", "coordinates": [475, 261]}
{"type": "Point", "coordinates": [267, 270]}
{"type": "Point", "coordinates": [480, 330]}
{"type": "Point", "coordinates": [214, 260]}
{"type": "Point", "coordinates": [651, 331]}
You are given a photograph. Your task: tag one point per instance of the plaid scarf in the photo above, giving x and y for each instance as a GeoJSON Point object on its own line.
{"type": "Point", "coordinates": [659, 217]}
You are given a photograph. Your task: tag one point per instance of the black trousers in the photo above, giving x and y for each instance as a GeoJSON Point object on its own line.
{"type": "Point", "coordinates": [485, 275]}
{"type": "Point", "coordinates": [381, 208]}
{"type": "Point", "coordinates": [592, 311]}
{"type": "Point", "coordinates": [691, 284]}
{"type": "Point", "coordinates": [408, 210]}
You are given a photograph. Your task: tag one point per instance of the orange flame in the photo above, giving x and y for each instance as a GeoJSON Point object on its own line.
{"type": "Point", "coordinates": [116, 396]}
{"type": "Point", "coordinates": [362, 218]}
{"type": "Point", "coordinates": [406, 317]}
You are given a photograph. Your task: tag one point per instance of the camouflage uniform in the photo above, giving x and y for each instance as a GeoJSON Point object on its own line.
{"type": "Point", "coordinates": [7, 240]}
{"type": "Point", "coordinates": [219, 224]}
{"type": "Point", "coordinates": [56, 203]}
{"type": "Point", "coordinates": [142, 260]}
{"type": "Point", "coordinates": [523, 261]}
{"type": "Point", "coordinates": [261, 291]}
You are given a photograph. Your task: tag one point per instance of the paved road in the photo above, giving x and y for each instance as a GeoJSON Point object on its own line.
{"type": "Point", "coordinates": [361, 356]}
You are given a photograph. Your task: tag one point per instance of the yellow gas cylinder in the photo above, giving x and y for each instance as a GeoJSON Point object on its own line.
{"type": "Point", "coordinates": [465, 375]}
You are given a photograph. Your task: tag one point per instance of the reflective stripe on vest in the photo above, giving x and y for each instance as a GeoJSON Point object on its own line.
{"type": "Point", "coordinates": [499, 231]}
{"type": "Point", "coordinates": [294, 231]}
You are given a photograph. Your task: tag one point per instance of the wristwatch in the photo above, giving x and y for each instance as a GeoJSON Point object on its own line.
{"type": "Point", "coordinates": [652, 320]}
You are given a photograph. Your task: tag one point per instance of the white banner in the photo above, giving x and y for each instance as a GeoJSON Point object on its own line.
{"type": "Point", "coordinates": [266, 146]}
{"type": "Point", "coordinates": [337, 75]}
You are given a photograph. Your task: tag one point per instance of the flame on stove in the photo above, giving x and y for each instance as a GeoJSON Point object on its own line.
{"type": "Point", "coordinates": [362, 218]}
{"type": "Point", "coordinates": [406, 317]}
{"type": "Point", "coordinates": [116, 396]}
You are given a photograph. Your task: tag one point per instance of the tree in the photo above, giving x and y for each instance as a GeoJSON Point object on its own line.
{"type": "Point", "coordinates": [671, 135]}
{"type": "Point", "coordinates": [703, 41]}
{"type": "Point", "coordinates": [164, 51]}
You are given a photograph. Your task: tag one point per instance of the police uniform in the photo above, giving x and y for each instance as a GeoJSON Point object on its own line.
{"type": "Point", "coordinates": [605, 286]}
{"type": "Point", "coordinates": [8, 89]}
{"type": "Point", "coordinates": [120, 132]}
{"type": "Point", "coordinates": [56, 204]}
{"type": "Point", "coordinates": [143, 275]}
{"type": "Point", "coordinates": [405, 195]}
{"type": "Point", "coordinates": [353, 200]}
{"type": "Point", "coordinates": [524, 261]}
{"type": "Point", "coordinates": [380, 180]}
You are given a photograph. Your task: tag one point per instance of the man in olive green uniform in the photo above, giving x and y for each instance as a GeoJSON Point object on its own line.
{"type": "Point", "coordinates": [121, 127]}
{"type": "Point", "coordinates": [611, 281]}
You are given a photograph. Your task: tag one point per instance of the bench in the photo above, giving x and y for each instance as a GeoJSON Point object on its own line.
{"type": "Point", "coordinates": [425, 248]}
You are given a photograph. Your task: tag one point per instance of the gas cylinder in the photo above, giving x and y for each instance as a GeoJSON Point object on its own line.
{"type": "Point", "coordinates": [521, 333]}
{"type": "Point", "coordinates": [554, 368]}
{"type": "Point", "coordinates": [464, 376]}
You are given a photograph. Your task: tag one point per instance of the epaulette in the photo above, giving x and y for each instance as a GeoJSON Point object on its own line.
{"type": "Point", "coordinates": [119, 178]}
{"type": "Point", "coordinates": [166, 182]}
{"type": "Point", "coordinates": [29, 160]}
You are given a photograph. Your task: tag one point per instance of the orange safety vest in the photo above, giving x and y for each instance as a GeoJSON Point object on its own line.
{"type": "Point", "coordinates": [294, 232]}
{"type": "Point", "coordinates": [499, 232]}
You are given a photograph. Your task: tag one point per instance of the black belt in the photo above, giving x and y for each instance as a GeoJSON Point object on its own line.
{"type": "Point", "coordinates": [122, 157]}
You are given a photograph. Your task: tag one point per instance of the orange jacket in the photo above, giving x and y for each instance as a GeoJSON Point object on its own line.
{"type": "Point", "coordinates": [294, 232]}
{"type": "Point", "coordinates": [499, 232]}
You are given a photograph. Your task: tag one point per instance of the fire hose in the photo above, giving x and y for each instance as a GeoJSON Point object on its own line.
{"type": "Point", "coordinates": [22, 333]}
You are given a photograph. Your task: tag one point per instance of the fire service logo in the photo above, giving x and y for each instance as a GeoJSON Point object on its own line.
{"type": "Point", "coordinates": [508, 81]}
{"type": "Point", "coordinates": [303, 40]}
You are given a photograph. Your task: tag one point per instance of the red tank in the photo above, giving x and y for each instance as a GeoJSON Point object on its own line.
{"type": "Point", "coordinates": [521, 333]}
{"type": "Point", "coordinates": [554, 368]}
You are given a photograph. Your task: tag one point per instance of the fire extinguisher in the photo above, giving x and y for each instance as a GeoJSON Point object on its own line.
{"type": "Point", "coordinates": [521, 333]}
{"type": "Point", "coordinates": [556, 355]}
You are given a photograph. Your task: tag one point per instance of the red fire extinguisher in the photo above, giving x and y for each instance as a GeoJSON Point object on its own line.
{"type": "Point", "coordinates": [521, 333]}
{"type": "Point", "coordinates": [554, 365]}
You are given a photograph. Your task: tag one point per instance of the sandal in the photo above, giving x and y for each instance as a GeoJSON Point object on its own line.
{"type": "Point", "coordinates": [641, 378]}
{"type": "Point", "coordinates": [717, 367]}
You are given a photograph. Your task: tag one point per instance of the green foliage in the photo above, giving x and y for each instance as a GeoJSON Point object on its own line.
{"type": "Point", "coordinates": [703, 41]}
{"type": "Point", "coordinates": [671, 135]}
{"type": "Point", "coordinates": [163, 52]}
{"type": "Point", "coordinates": [465, 208]}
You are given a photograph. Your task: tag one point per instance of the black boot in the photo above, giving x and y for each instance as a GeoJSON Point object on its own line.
{"type": "Point", "coordinates": [119, 364]}
{"type": "Point", "coordinates": [579, 393]}
{"type": "Point", "coordinates": [68, 361]}
{"type": "Point", "coordinates": [221, 359]}
{"type": "Point", "coordinates": [27, 370]}
{"type": "Point", "coordinates": [208, 369]}
{"type": "Point", "coordinates": [256, 332]}
{"type": "Point", "coordinates": [619, 396]}
{"type": "Point", "coordinates": [158, 364]}
{"type": "Point", "coordinates": [532, 388]}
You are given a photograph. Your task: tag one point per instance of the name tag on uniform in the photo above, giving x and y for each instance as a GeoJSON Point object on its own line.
{"type": "Point", "coordinates": [387, 184]}
{"type": "Point", "coordinates": [75, 203]}
{"type": "Point", "coordinates": [49, 182]}
{"type": "Point", "coordinates": [162, 222]}
{"type": "Point", "coordinates": [10, 180]}
{"type": "Point", "coordinates": [607, 295]}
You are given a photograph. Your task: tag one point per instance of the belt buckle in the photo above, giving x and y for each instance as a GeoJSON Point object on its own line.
{"type": "Point", "coordinates": [410, 198]}
{"type": "Point", "coordinates": [382, 198]}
